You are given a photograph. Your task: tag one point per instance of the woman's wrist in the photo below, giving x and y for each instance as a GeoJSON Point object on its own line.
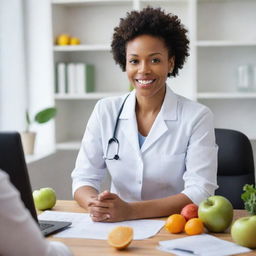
{"type": "Point", "coordinates": [134, 211]}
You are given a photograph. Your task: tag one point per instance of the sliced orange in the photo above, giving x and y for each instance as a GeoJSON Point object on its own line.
{"type": "Point", "coordinates": [175, 223]}
{"type": "Point", "coordinates": [120, 237]}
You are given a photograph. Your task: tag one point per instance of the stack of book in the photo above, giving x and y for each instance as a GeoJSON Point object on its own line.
{"type": "Point", "coordinates": [74, 78]}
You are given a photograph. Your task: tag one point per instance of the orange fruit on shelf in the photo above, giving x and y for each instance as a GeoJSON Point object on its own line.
{"type": "Point", "coordinates": [194, 226]}
{"type": "Point", "coordinates": [175, 223]}
{"type": "Point", "coordinates": [74, 41]}
{"type": "Point", "coordinates": [63, 39]}
{"type": "Point", "coordinates": [120, 237]}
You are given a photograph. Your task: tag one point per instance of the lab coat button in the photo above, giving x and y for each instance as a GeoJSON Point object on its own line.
{"type": "Point", "coordinates": [140, 181]}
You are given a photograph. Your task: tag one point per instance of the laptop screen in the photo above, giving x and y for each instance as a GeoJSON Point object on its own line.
{"type": "Point", "coordinates": [12, 161]}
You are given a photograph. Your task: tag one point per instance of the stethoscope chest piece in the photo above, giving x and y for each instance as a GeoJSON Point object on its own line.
{"type": "Point", "coordinates": [113, 146]}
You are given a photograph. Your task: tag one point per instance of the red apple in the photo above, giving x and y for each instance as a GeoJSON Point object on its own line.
{"type": "Point", "coordinates": [190, 211]}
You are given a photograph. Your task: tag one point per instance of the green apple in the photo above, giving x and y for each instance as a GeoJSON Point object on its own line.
{"type": "Point", "coordinates": [216, 212]}
{"type": "Point", "coordinates": [243, 231]}
{"type": "Point", "coordinates": [44, 199]}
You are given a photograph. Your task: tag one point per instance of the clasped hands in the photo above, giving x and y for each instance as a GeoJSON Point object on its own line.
{"type": "Point", "coordinates": [108, 207]}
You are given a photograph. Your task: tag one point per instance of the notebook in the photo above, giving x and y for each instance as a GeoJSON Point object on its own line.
{"type": "Point", "coordinates": [12, 161]}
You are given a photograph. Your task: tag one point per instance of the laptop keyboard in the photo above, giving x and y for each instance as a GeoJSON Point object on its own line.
{"type": "Point", "coordinates": [44, 226]}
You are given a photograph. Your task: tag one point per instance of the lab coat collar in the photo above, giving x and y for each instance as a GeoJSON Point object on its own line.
{"type": "Point", "coordinates": [168, 109]}
{"type": "Point", "coordinates": [168, 112]}
{"type": "Point", "coordinates": [128, 111]}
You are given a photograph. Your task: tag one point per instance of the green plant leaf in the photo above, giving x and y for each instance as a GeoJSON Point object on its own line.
{"type": "Point", "coordinates": [28, 118]}
{"type": "Point", "coordinates": [249, 198]}
{"type": "Point", "coordinates": [45, 115]}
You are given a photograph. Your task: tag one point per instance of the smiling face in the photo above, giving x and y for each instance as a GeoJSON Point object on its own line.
{"type": "Point", "coordinates": [148, 64]}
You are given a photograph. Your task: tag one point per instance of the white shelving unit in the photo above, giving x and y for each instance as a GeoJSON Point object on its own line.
{"type": "Point", "coordinates": [222, 35]}
{"type": "Point", "coordinates": [226, 42]}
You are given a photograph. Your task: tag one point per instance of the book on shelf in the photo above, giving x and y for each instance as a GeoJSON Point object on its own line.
{"type": "Point", "coordinates": [74, 78]}
{"type": "Point", "coordinates": [71, 74]}
{"type": "Point", "coordinates": [61, 78]}
{"type": "Point", "coordinates": [85, 77]}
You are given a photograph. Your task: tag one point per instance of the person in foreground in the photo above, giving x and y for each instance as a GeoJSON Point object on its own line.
{"type": "Point", "coordinates": [160, 152]}
{"type": "Point", "coordinates": [19, 234]}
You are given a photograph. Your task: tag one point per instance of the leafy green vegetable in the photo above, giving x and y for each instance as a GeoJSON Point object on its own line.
{"type": "Point", "coordinates": [249, 198]}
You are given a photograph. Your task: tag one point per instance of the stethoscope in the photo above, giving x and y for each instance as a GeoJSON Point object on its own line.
{"type": "Point", "coordinates": [114, 140]}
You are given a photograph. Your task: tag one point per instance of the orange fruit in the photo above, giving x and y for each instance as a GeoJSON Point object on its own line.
{"type": "Point", "coordinates": [63, 39]}
{"type": "Point", "coordinates": [120, 237]}
{"type": "Point", "coordinates": [194, 226]}
{"type": "Point", "coordinates": [175, 223]}
{"type": "Point", "coordinates": [74, 41]}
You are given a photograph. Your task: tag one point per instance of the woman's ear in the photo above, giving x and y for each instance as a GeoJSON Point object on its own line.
{"type": "Point", "coordinates": [171, 63]}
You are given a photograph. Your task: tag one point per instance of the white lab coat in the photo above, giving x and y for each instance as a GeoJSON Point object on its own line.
{"type": "Point", "coordinates": [179, 154]}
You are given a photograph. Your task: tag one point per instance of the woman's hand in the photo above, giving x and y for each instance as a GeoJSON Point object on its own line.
{"type": "Point", "coordinates": [97, 210]}
{"type": "Point", "coordinates": [108, 207]}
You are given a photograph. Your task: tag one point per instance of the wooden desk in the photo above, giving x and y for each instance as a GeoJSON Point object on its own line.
{"type": "Point", "coordinates": [91, 247]}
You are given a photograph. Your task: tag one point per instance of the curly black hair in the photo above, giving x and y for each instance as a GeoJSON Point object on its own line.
{"type": "Point", "coordinates": [151, 21]}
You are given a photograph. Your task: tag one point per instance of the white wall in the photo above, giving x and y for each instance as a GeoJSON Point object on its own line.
{"type": "Point", "coordinates": [40, 67]}
{"type": "Point", "coordinates": [13, 87]}
{"type": "Point", "coordinates": [54, 171]}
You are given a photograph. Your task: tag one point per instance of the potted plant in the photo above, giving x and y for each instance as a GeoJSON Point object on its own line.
{"type": "Point", "coordinates": [28, 137]}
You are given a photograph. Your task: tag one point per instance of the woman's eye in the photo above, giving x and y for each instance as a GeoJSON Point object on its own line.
{"type": "Point", "coordinates": [133, 61]}
{"type": "Point", "coordinates": [155, 60]}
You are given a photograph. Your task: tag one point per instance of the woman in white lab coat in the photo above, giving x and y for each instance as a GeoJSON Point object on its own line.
{"type": "Point", "coordinates": [158, 147]}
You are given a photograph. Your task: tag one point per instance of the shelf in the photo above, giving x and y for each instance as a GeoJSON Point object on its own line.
{"type": "Point", "coordinates": [88, 96]}
{"type": "Point", "coordinates": [89, 2]}
{"type": "Point", "coordinates": [71, 145]}
{"type": "Point", "coordinates": [82, 47]}
{"type": "Point", "coordinates": [226, 95]}
{"type": "Point", "coordinates": [221, 43]}
{"type": "Point", "coordinates": [38, 156]}
{"type": "Point", "coordinates": [164, 1]}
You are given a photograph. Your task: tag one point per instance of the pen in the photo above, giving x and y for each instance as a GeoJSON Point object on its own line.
{"type": "Point", "coordinates": [184, 250]}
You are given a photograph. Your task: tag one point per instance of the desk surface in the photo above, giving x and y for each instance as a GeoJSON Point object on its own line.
{"type": "Point", "coordinates": [91, 247]}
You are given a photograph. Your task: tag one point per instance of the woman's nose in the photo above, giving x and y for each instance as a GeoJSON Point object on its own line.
{"type": "Point", "coordinates": [144, 68]}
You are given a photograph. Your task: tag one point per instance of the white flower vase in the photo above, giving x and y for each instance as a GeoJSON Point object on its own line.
{"type": "Point", "coordinates": [28, 142]}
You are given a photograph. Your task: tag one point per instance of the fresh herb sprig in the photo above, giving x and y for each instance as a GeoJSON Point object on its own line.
{"type": "Point", "coordinates": [249, 198]}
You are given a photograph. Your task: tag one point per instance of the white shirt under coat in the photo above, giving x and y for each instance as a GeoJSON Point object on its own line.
{"type": "Point", "coordinates": [179, 154]}
{"type": "Point", "coordinates": [19, 234]}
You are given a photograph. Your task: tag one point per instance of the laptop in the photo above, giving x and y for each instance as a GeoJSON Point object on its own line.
{"type": "Point", "coordinates": [12, 161]}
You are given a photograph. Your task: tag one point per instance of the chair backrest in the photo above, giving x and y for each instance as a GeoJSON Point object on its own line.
{"type": "Point", "coordinates": [235, 165]}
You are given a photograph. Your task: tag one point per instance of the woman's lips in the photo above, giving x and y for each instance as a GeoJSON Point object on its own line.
{"type": "Point", "coordinates": [144, 83]}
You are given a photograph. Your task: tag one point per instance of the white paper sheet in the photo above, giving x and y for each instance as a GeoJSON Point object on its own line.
{"type": "Point", "coordinates": [83, 227]}
{"type": "Point", "coordinates": [202, 245]}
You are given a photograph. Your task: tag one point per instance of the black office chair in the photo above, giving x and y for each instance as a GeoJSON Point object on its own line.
{"type": "Point", "coordinates": [235, 165]}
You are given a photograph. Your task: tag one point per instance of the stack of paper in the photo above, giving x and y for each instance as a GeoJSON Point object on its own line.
{"type": "Point", "coordinates": [83, 227]}
{"type": "Point", "coordinates": [201, 245]}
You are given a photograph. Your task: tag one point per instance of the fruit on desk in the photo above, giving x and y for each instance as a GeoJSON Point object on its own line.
{"type": "Point", "coordinates": [63, 39]}
{"type": "Point", "coordinates": [175, 223]}
{"type": "Point", "coordinates": [189, 211]}
{"type": "Point", "coordinates": [44, 199]}
{"type": "Point", "coordinates": [74, 41]}
{"type": "Point", "coordinates": [194, 226]}
{"type": "Point", "coordinates": [120, 237]}
{"type": "Point", "coordinates": [243, 231]}
{"type": "Point", "coordinates": [216, 212]}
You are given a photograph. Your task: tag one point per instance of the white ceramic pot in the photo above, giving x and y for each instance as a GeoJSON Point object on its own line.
{"type": "Point", "coordinates": [28, 142]}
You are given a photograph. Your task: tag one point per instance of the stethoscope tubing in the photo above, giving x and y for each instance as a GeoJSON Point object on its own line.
{"type": "Point", "coordinates": [114, 138]}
